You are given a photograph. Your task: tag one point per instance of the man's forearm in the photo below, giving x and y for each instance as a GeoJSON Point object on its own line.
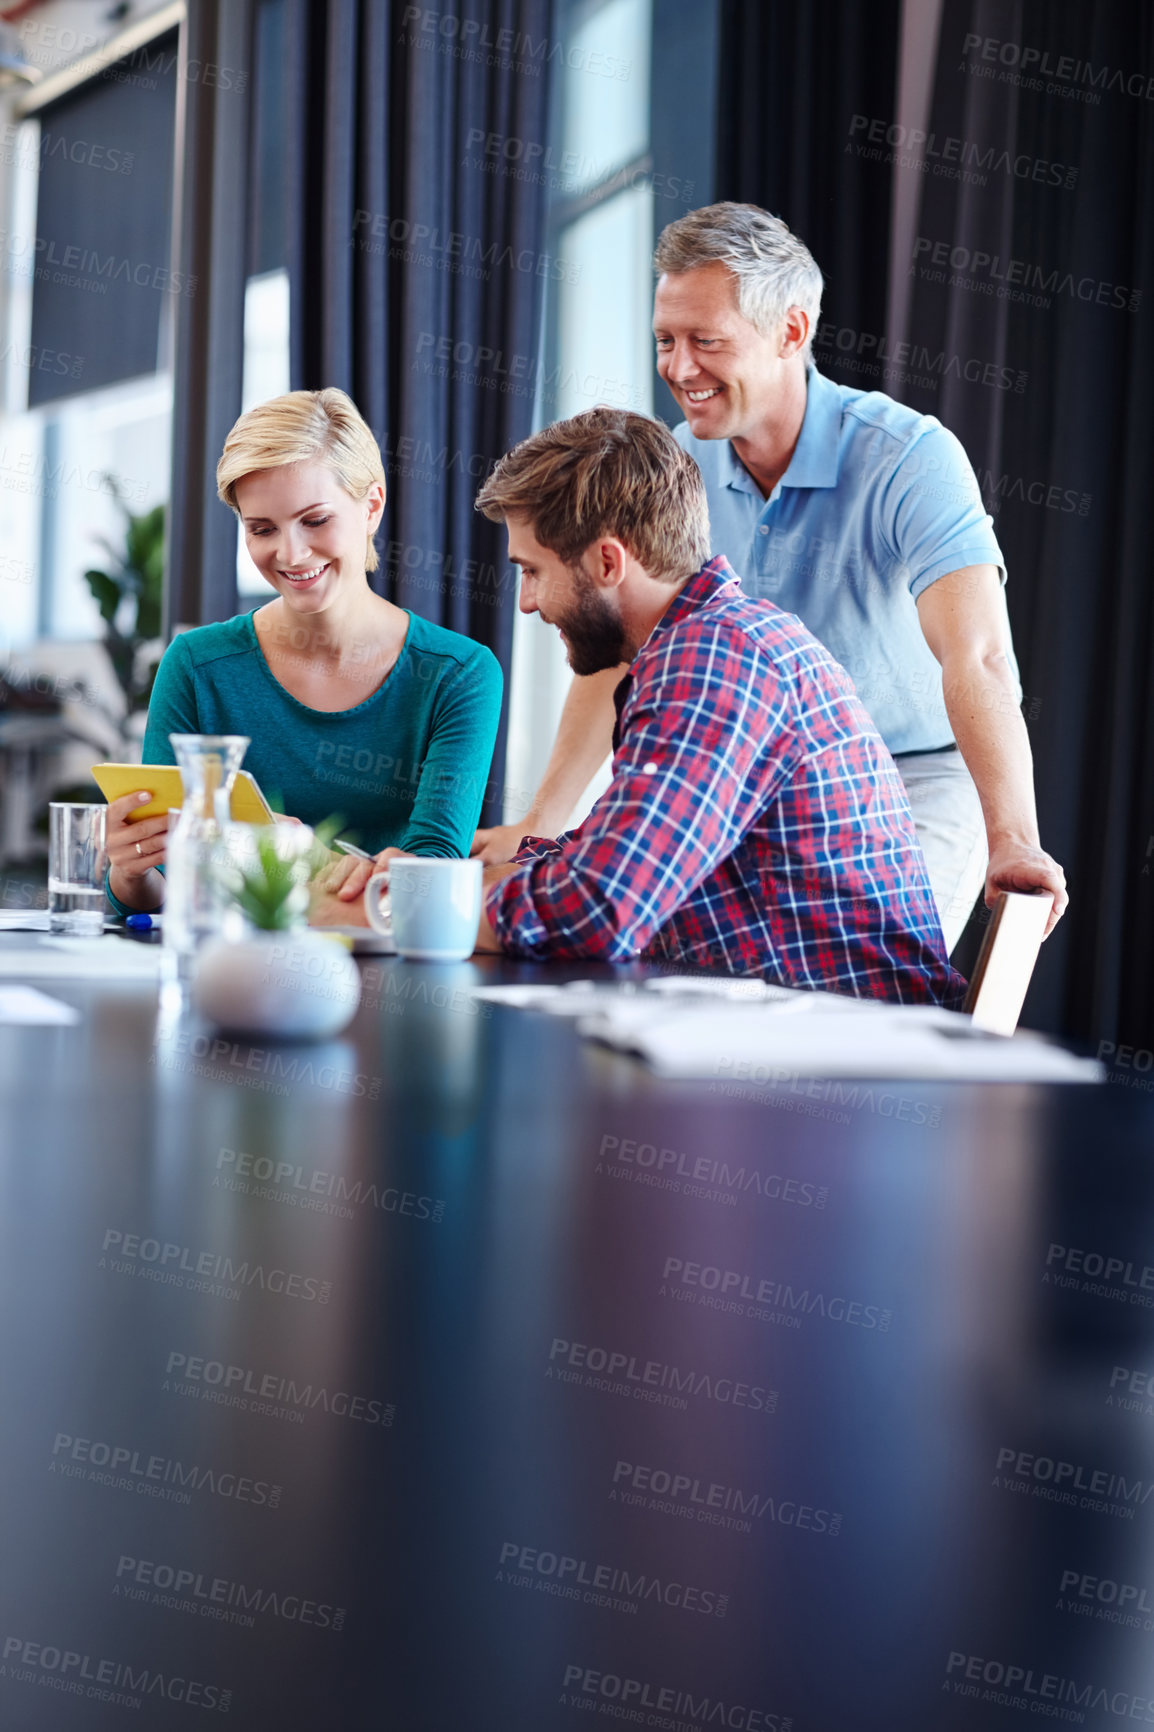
{"type": "Point", "coordinates": [584, 741]}
{"type": "Point", "coordinates": [982, 704]}
{"type": "Point", "coordinates": [487, 939]}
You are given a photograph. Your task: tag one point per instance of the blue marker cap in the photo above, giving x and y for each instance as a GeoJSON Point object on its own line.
{"type": "Point", "coordinates": [139, 923]}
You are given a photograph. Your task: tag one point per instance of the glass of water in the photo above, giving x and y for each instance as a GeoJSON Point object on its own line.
{"type": "Point", "coordinates": [76, 867]}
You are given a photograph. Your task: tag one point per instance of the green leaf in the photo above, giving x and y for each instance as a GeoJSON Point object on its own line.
{"type": "Point", "coordinates": [148, 616]}
{"type": "Point", "coordinates": [120, 654]}
{"type": "Point", "coordinates": [106, 592]}
{"type": "Point", "coordinates": [272, 894]}
{"type": "Point", "coordinates": [144, 542]}
{"type": "Point", "coordinates": [136, 571]}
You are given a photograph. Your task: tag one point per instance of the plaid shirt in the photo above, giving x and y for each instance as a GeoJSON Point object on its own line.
{"type": "Point", "coordinates": [755, 821]}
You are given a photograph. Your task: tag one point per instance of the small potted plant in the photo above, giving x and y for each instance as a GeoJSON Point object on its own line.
{"type": "Point", "coordinates": [279, 978]}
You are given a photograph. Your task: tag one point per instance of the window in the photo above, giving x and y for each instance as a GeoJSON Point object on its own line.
{"type": "Point", "coordinates": [266, 299]}
{"type": "Point", "coordinates": [597, 337]}
{"type": "Point", "coordinates": [601, 216]}
{"type": "Point", "coordinates": [266, 374]}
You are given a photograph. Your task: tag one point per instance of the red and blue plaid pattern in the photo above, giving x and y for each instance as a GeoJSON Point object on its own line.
{"type": "Point", "coordinates": [755, 821]}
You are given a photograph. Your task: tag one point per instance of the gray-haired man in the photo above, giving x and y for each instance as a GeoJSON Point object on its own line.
{"type": "Point", "coordinates": [861, 517]}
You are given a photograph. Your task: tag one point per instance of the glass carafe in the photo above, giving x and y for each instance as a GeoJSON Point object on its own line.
{"type": "Point", "coordinates": [196, 899]}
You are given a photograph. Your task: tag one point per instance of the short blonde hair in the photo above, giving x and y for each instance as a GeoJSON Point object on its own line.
{"type": "Point", "coordinates": [606, 472]}
{"type": "Point", "coordinates": [301, 427]}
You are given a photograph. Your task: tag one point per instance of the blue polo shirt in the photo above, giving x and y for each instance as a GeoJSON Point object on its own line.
{"type": "Point", "coordinates": [878, 501]}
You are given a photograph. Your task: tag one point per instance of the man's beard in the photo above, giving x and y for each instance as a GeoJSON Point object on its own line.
{"type": "Point", "coordinates": [594, 634]}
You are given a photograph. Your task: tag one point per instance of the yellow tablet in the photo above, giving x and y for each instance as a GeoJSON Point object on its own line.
{"type": "Point", "coordinates": [163, 781]}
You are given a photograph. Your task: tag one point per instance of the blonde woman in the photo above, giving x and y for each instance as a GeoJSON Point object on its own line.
{"type": "Point", "coordinates": [353, 706]}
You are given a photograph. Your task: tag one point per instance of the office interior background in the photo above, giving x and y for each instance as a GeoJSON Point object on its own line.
{"type": "Point", "coordinates": [449, 211]}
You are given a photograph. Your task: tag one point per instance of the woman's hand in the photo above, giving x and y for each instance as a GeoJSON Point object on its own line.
{"type": "Point", "coordinates": [346, 878]}
{"type": "Point", "coordinates": [341, 883]}
{"type": "Point", "coordinates": [133, 851]}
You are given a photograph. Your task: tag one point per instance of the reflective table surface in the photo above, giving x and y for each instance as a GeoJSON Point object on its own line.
{"type": "Point", "coordinates": [457, 1374]}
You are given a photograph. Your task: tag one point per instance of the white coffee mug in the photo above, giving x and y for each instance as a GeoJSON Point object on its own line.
{"type": "Point", "coordinates": [434, 907]}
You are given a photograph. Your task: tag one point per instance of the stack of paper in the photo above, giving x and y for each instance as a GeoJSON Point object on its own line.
{"type": "Point", "coordinates": [748, 1032]}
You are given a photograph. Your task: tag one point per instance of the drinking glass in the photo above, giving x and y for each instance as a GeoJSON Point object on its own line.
{"type": "Point", "coordinates": [76, 866]}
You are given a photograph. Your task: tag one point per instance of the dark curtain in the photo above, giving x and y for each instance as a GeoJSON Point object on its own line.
{"type": "Point", "coordinates": [1065, 457]}
{"type": "Point", "coordinates": [209, 261]}
{"type": "Point", "coordinates": [117, 227]}
{"type": "Point", "coordinates": [416, 249]}
{"type": "Point", "coordinates": [1030, 337]}
{"type": "Point", "coordinates": [386, 155]}
{"type": "Point", "coordinates": [792, 78]}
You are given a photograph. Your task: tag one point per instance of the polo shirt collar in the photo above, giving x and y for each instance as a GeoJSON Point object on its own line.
{"type": "Point", "coordinates": [815, 456]}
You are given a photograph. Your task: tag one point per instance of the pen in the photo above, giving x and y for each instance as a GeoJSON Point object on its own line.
{"type": "Point", "coordinates": [349, 848]}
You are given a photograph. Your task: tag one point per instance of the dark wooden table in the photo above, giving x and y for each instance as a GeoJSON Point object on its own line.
{"type": "Point", "coordinates": [458, 1375]}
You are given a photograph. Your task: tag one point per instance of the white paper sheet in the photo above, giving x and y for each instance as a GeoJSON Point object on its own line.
{"type": "Point", "coordinates": [25, 1004]}
{"type": "Point", "coordinates": [577, 998]}
{"type": "Point", "coordinates": [36, 920]}
{"type": "Point", "coordinates": [23, 920]}
{"type": "Point", "coordinates": [108, 958]}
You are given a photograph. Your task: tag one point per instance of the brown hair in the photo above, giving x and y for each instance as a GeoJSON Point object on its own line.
{"type": "Point", "coordinates": [300, 427]}
{"type": "Point", "coordinates": [606, 472]}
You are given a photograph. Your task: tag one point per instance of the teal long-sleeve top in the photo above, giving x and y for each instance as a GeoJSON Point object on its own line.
{"type": "Point", "coordinates": [406, 768]}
